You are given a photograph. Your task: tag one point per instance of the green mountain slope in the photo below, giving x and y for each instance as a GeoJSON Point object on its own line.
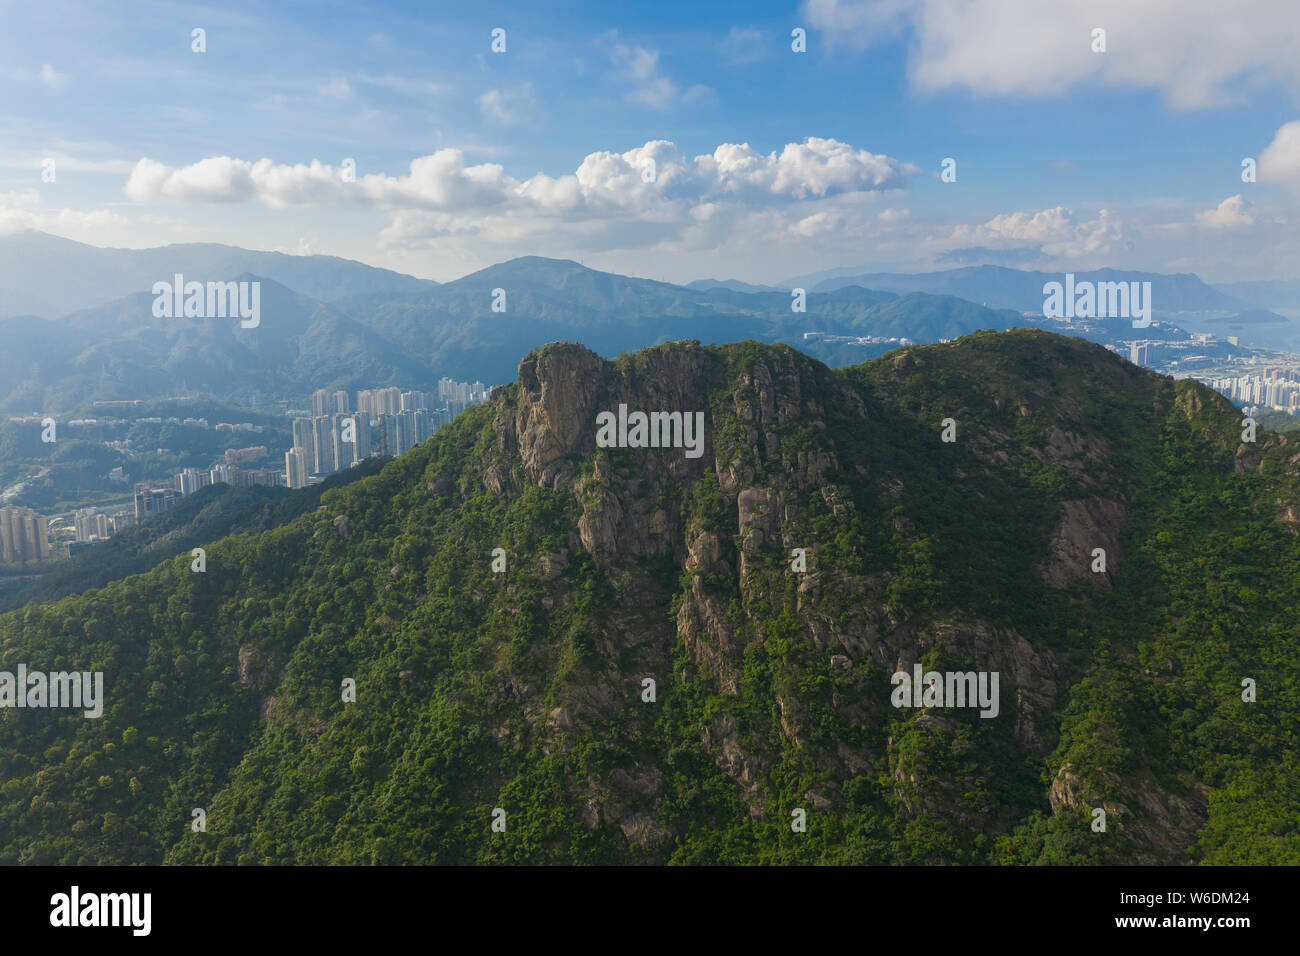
{"type": "Point", "coordinates": [524, 690]}
{"type": "Point", "coordinates": [209, 514]}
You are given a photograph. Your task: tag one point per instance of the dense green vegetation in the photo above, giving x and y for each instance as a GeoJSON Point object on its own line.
{"type": "Point", "coordinates": [522, 690]}
{"type": "Point", "coordinates": [207, 515]}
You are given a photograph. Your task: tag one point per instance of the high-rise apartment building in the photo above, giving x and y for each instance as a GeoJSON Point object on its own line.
{"type": "Point", "coordinates": [24, 535]}
{"type": "Point", "coordinates": [387, 435]}
{"type": "Point", "coordinates": [389, 400]}
{"type": "Point", "coordinates": [405, 431]}
{"type": "Point", "coordinates": [363, 438]}
{"type": "Point", "coordinates": [191, 480]}
{"type": "Point", "coordinates": [90, 525]}
{"type": "Point", "coordinates": [302, 433]}
{"type": "Point", "coordinates": [295, 467]}
{"type": "Point", "coordinates": [153, 500]}
{"type": "Point", "coordinates": [323, 445]}
{"type": "Point", "coordinates": [342, 428]}
{"type": "Point", "coordinates": [414, 400]}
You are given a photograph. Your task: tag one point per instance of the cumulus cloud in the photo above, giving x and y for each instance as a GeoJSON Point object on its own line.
{"type": "Point", "coordinates": [21, 210]}
{"type": "Point", "coordinates": [1229, 214]}
{"type": "Point", "coordinates": [1197, 53]}
{"type": "Point", "coordinates": [1057, 232]}
{"type": "Point", "coordinates": [1280, 160]}
{"type": "Point", "coordinates": [645, 194]}
{"type": "Point", "coordinates": [216, 179]}
{"type": "Point", "coordinates": [646, 201]}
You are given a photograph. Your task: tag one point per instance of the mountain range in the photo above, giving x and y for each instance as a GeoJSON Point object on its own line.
{"type": "Point", "coordinates": [517, 645]}
{"type": "Point", "coordinates": [1003, 288]}
{"type": "Point", "coordinates": [402, 337]}
{"type": "Point", "coordinates": [50, 276]}
{"type": "Point", "coordinates": [330, 323]}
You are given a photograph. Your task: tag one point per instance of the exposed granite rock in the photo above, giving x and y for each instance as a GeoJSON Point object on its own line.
{"type": "Point", "coordinates": [1085, 524]}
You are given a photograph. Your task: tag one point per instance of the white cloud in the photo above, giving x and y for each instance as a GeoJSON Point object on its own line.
{"type": "Point", "coordinates": [53, 78]}
{"type": "Point", "coordinates": [610, 201]}
{"type": "Point", "coordinates": [1057, 231]}
{"type": "Point", "coordinates": [64, 162]}
{"type": "Point", "coordinates": [858, 23]}
{"type": "Point", "coordinates": [1229, 214]}
{"type": "Point", "coordinates": [658, 93]}
{"type": "Point", "coordinates": [636, 62]}
{"type": "Point", "coordinates": [1197, 53]}
{"type": "Point", "coordinates": [1280, 160]}
{"type": "Point", "coordinates": [20, 211]}
{"type": "Point", "coordinates": [337, 88]}
{"type": "Point", "coordinates": [407, 86]}
{"type": "Point", "coordinates": [509, 106]}
{"type": "Point", "coordinates": [216, 179]}
{"type": "Point", "coordinates": [303, 247]}
{"type": "Point", "coordinates": [651, 88]}
{"type": "Point", "coordinates": [603, 181]}
{"type": "Point", "coordinates": [744, 45]}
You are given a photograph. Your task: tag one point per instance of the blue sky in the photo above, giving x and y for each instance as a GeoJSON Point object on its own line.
{"type": "Point", "coordinates": [1066, 157]}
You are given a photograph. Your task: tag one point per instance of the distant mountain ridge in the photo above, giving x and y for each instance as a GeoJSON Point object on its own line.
{"type": "Point", "coordinates": [462, 328]}
{"type": "Point", "coordinates": [734, 285]}
{"type": "Point", "coordinates": [999, 287]}
{"type": "Point", "coordinates": [330, 323]}
{"type": "Point", "coordinates": [1269, 294]}
{"type": "Point", "coordinates": [49, 276]}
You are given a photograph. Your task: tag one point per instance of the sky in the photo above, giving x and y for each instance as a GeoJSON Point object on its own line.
{"type": "Point", "coordinates": [667, 140]}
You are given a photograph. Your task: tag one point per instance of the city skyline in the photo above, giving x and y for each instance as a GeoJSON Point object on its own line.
{"type": "Point", "coordinates": [385, 421]}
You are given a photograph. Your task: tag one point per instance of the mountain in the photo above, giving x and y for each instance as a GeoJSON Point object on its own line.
{"type": "Point", "coordinates": [734, 285]}
{"type": "Point", "coordinates": [49, 276]}
{"type": "Point", "coordinates": [1001, 288]}
{"type": "Point", "coordinates": [207, 515]}
{"type": "Point", "coordinates": [927, 318]}
{"type": "Point", "coordinates": [680, 656]}
{"type": "Point", "coordinates": [120, 350]}
{"type": "Point", "coordinates": [36, 354]}
{"type": "Point", "coordinates": [1282, 294]}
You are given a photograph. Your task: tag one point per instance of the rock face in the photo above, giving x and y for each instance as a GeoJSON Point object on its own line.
{"type": "Point", "coordinates": [557, 392]}
{"type": "Point", "coordinates": [1086, 525]}
{"type": "Point", "coordinates": [797, 458]}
